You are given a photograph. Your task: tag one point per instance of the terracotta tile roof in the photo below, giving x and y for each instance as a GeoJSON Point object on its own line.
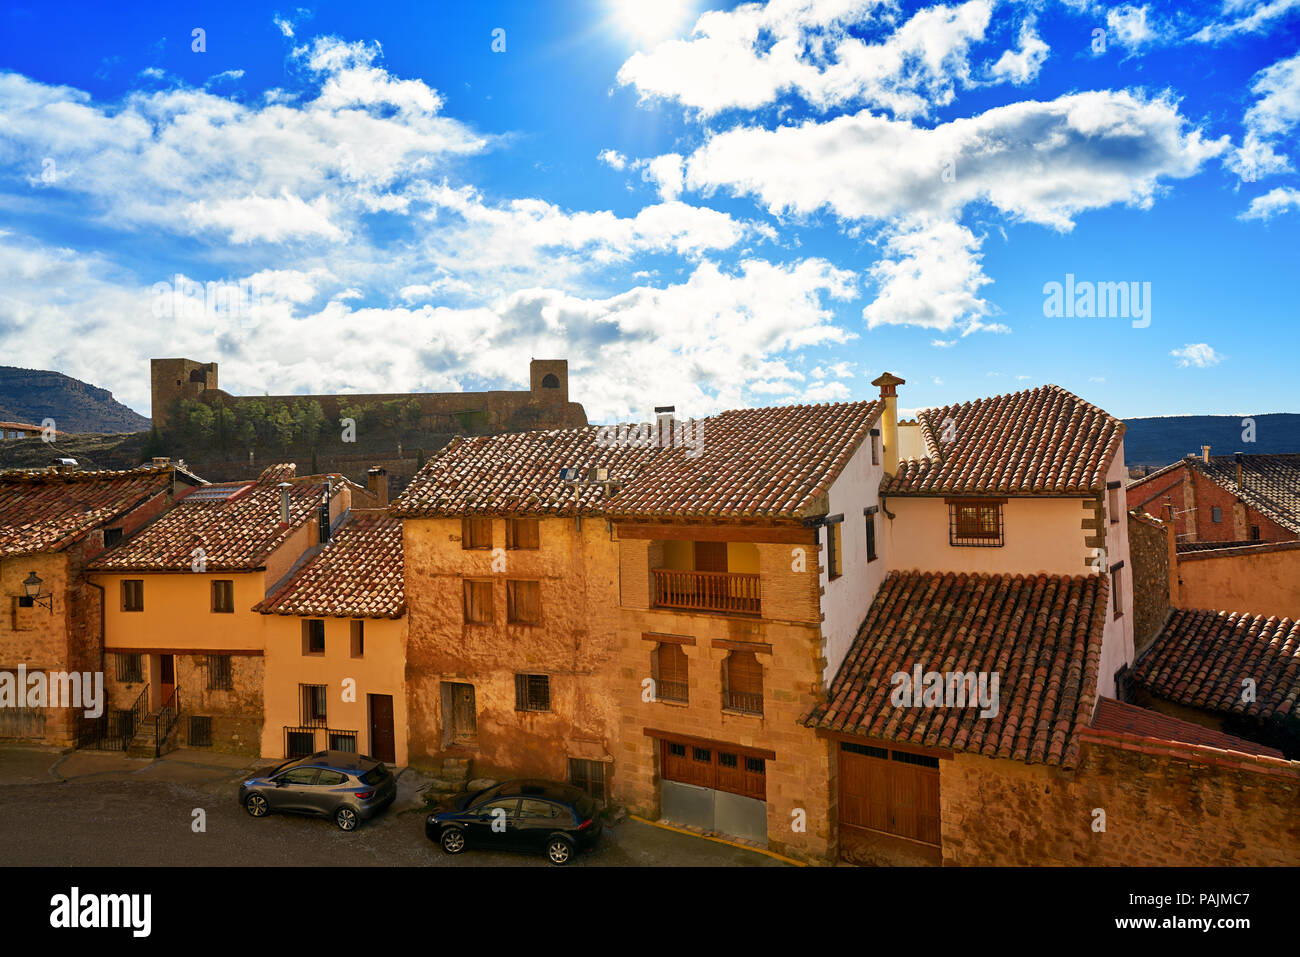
{"type": "Point", "coordinates": [237, 524]}
{"type": "Point", "coordinates": [1201, 658]}
{"type": "Point", "coordinates": [1269, 483]}
{"type": "Point", "coordinates": [358, 574]}
{"type": "Point", "coordinates": [1041, 635]}
{"type": "Point", "coordinates": [771, 462]}
{"type": "Point", "coordinates": [43, 511]}
{"type": "Point", "coordinates": [1121, 718]}
{"type": "Point", "coordinates": [1044, 441]}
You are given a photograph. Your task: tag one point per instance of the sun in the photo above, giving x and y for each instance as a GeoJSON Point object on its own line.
{"type": "Point", "coordinates": [650, 20]}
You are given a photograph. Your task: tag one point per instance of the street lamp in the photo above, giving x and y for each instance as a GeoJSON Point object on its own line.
{"type": "Point", "coordinates": [32, 585]}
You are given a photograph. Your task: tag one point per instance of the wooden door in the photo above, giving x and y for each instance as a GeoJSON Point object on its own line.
{"type": "Point", "coordinates": [710, 556]}
{"type": "Point", "coordinates": [896, 792]}
{"type": "Point", "coordinates": [464, 722]}
{"type": "Point", "coordinates": [167, 679]}
{"type": "Point", "coordinates": [383, 744]}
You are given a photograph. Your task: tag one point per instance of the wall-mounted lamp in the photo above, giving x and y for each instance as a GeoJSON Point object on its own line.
{"type": "Point", "coordinates": [32, 585]}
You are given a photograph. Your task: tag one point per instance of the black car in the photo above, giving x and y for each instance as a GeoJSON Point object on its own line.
{"type": "Point", "coordinates": [531, 815]}
{"type": "Point", "coordinates": [347, 787]}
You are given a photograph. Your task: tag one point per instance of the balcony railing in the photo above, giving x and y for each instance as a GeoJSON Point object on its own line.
{"type": "Point", "coordinates": [732, 592]}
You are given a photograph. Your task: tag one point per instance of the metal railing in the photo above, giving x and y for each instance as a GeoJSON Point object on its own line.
{"type": "Point", "coordinates": [733, 592]}
{"type": "Point", "coordinates": [301, 740]}
{"type": "Point", "coordinates": [165, 720]}
{"type": "Point", "coordinates": [742, 701]}
{"type": "Point", "coordinates": [113, 730]}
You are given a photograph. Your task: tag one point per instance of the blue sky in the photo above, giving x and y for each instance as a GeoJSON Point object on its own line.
{"type": "Point", "coordinates": [704, 205]}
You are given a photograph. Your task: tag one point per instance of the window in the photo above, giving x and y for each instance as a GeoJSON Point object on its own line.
{"type": "Point", "coordinates": [476, 533]}
{"type": "Point", "coordinates": [358, 638]}
{"type": "Point", "coordinates": [550, 381]}
{"type": "Point", "coordinates": [133, 594]}
{"type": "Point", "coordinates": [875, 446]}
{"type": "Point", "coordinates": [478, 603]}
{"type": "Point", "coordinates": [742, 683]}
{"type": "Point", "coordinates": [130, 668]}
{"type": "Point", "coordinates": [669, 668]}
{"type": "Point", "coordinates": [1116, 587]}
{"type": "Point", "coordinates": [313, 699]}
{"type": "Point", "coordinates": [871, 534]}
{"type": "Point", "coordinates": [300, 776]}
{"type": "Point", "coordinates": [532, 693]}
{"type": "Point", "coordinates": [523, 602]}
{"type": "Point", "coordinates": [522, 533]}
{"type": "Point", "coordinates": [112, 536]}
{"type": "Point", "coordinates": [299, 744]}
{"type": "Point", "coordinates": [703, 755]}
{"type": "Point", "coordinates": [343, 741]}
{"type": "Point", "coordinates": [1216, 514]}
{"type": "Point", "coordinates": [677, 750]}
{"type": "Point", "coordinates": [331, 779]}
{"type": "Point", "coordinates": [313, 636]}
{"type": "Point", "coordinates": [536, 810]}
{"type": "Point", "coordinates": [219, 674]}
{"type": "Point", "coordinates": [1254, 533]}
{"type": "Point", "coordinates": [834, 550]}
{"type": "Point", "coordinates": [977, 523]}
{"type": "Point", "coordinates": [223, 596]}
{"type": "Point", "coordinates": [200, 731]}
{"type": "Point", "coordinates": [588, 776]}
{"type": "Point", "coordinates": [1112, 491]}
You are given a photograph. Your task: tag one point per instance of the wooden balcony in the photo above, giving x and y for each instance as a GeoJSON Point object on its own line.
{"type": "Point", "coordinates": [731, 593]}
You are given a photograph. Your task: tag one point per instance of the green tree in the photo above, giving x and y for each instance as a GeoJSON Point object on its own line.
{"type": "Point", "coordinates": [282, 428]}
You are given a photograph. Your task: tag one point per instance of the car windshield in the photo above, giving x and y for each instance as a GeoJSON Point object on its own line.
{"type": "Point", "coordinates": [374, 775]}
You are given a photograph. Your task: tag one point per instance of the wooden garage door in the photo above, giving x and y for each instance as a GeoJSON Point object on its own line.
{"type": "Point", "coordinates": [892, 791]}
{"type": "Point", "coordinates": [714, 767]}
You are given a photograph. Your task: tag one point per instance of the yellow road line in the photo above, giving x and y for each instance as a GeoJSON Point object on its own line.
{"type": "Point", "coordinates": [719, 840]}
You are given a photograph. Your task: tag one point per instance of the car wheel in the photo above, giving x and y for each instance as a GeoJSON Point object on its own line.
{"type": "Point", "coordinates": [256, 805]}
{"type": "Point", "coordinates": [346, 818]}
{"type": "Point", "coordinates": [453, 840]}
{"type": "Point", "coordinates": [559, 850]}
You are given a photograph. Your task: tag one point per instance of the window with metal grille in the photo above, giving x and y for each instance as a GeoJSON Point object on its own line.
{"type": "Point", "coordinates": [727, 760]}
{"type": "Point", "coordinates": [219, 673]}
{"type": "Point", "coordinates": [478, 603]}
{"type": "Point", "coordinates": [223, 596]}
{"type": "Point", "coordinates": [522, 533]}
{"type": "Point", "coordinates": [975, 523]}
{"type": "Point", "coordinates": [834, 550]}
{"type": "Point", "coordinates": [865, 749]}
{"type": "Point", "coordinates": [313, 700]}
{"type": "Point", "coordinates": [755, 765]}
{"type": "Point", "coordinates": [703, 755]}
{"type": "Point", "coordinates": [670, 670]}
{"type": "Point", "coordinates": [677, 750]}
{"type": "Point", "coordinates": [133, 594]}
{"type": "Point", "coordinates": [200, 731]}
{"type": "Point", "coordinates": [532, 693]}
{"type": "Point", "coordinates": [920, 760]}
{"type": "Point", "coordinates": [742, 682]}
{"type": "Point", "coordinates": [476, 533]}
{"type": "Point", "coordinates": [589, 776]}
{"type": "Point", "coordinates": [299, 744]}
{"type": "Point", "coordinates": [130, 667]}
{"type": "Point", "coordinates": [343, 741]}
{"type": "Point", "coordinates": [871, 534]}
{"type": "Point", "coordinates": [313, 636]}
{"type": "Point", "coordinates": [523, 602]}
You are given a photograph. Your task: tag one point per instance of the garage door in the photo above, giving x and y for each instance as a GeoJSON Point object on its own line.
{"type": "Point", "coordinates": [712, 787]}
{"type": "Point", "coordinates": [891, 791]}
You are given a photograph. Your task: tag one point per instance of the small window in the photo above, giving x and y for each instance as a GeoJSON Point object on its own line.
{"type": "Point", "coordinates": [133, 594]}
{"type": "Point", "coordinates": [669, 668]}
{"type": "Point", "coordinates": [523, 533]}
{"type": "Point", "coordinates": [476, 533]}
{"type": "Point", "coordinates": [1254, 533]}
{"type": "Point", "coordinates": [756, 765]}
{"type": "Point", "coordinates": [727, 760]}
{"type": "Point", "coordinates": [865, 749]}
{"type": "Point", "coordinates": [112, 536]}
{"type": "Point", "coordinates": [478, 603]}
{"type": "Point", "coordinates": [523, 602]}
{"type": "Point", "coordinates": [677, 750]}
{"type": "Point", "coordinates": [742, 683]}
{"type": "Point", "coordinates": [1216, 514]}
{"type": "Point", "coordinates": [223, 596]}
{"type": "Point", "coordinates": [313, 636]}
{"type": "Point", "coordinates": [702, 755]}
{"type": "Point", "coordinates": [871, 535]}
{"type": "Point", "coordinates": [550, 381]}
{"type": "Point", "coordinates": [343, 741]}
{"type": "Point", "coordinates": [532, 693]}
{"type": "Point", "coordinates": [975, 524]}
{"type": "Point", "coordinates": [299, 744]}
{"type": "Point", "coordinates": [358, 638]}
{"type": "Point", "coordinates": [130, 668]}
{"type": "Point", "coordinates": [589, 776]}
{"type": "Point", "coordinates": [834, 550]}
{"type": "Point", "coordinates": [875, 447]}
{"type": "Point", "coordinates": [919, 760]}
{"type": "Point", "coordinates": [1113, 494]}
{"type": "Point", "coordinates": [219, 673]}
{"type": "Point", "coordinates": [1116, 584]}
{"type": "Point", "coordinates": [313, 701]}
{"type": "Point", "coordinates": [200, 731]}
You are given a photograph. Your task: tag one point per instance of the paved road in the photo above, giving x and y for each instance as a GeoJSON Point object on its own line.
{"type": "Point", "coordinates": [106, 810]}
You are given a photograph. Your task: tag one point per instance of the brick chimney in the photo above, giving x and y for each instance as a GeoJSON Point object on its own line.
{"type": "Point", "coordinates": [889, 383]}
{"type": "Point", "coordinates": [1237, 456]}
{"type": "Point", "coordinates": [377, 484]}
{"type": "Point", "coordinates": [1205, 454]}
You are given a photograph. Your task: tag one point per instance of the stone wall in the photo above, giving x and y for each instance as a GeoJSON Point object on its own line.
{"type": "Point", "coordinates": [236, 714]}
{"type": "Point", "coordinates": [1149, 547]}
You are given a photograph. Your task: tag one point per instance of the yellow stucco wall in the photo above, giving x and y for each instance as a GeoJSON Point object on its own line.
{"type": "Point", "coordinates": [178, 612]}
{"type": "Point", "coordinates": [1262, 579]}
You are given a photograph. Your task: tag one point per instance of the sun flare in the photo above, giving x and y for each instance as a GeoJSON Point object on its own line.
{"type": "Point", "coordinates": [651, 20]}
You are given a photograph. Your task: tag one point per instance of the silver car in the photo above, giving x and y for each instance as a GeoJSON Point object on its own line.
{"type": "Point", "coordinates": [349, 788]}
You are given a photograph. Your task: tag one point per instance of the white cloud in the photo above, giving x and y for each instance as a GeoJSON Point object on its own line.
{"type": "Point", "coordinates": [1261, 18]}
{"type": "Point", "coordinates": [1275, 112]}
{"type": "Point", "coordinates": [1127, 25]}
{"type": "Point", "coordinates": [612, 158]}
{"type": "Point", "coordinates": [1272, 203]}
{"type": "Point", "coordinates": [943, 343]}
{"type": "Point", "coordinates": [1022, 65]}
{"type": "Point", "coordinates": [667, 173]}
{"type": "Point", "coordinates": [1197, 354]}
{"type": "Point", "coordinates": [1037, 161]}
{"type": "Point", "coordinates": [929, 276]}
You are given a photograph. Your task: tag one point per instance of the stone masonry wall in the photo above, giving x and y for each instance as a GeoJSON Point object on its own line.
{"type": "Point", "coordinates": [1148, 543]}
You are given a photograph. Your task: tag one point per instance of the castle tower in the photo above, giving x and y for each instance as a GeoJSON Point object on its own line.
{"type": "Point", "coordinates": [172, 379]}
{"type": "Point", "coordinates": [548, 380]}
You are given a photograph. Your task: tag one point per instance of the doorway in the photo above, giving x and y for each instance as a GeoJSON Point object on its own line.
{"type": "Point", "coordinates": [383, 745]}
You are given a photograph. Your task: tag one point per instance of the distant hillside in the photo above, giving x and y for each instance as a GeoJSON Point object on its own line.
{"type": "Point", "coordinates": [1160, 440]}
{"type": "Point", "coordinates": [30, 395]}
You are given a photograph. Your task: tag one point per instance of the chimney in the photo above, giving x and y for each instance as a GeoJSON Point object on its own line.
{"type": "Point", "coordinates": [664, 422]}
{"type": "Point", "coordinates": [284, 502]}
{"type": "Point", "coordinates": [323, 514]}
{"type": "Point", "coordinates": [377, 484]}
{"type": "Point", "coordinates": [1205, 454]}
{"type": "Point", "coordinates": [161, 460]}
{"type": "Point", "coordinates": [1237, 457]}
{"type": "Point", "coordinates": [889, 384]}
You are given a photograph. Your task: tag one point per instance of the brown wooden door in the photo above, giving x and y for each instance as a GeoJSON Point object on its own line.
{"type": "Point", "coordinates": [887, 790]}
{"type": "Point", "coordinates": [167, 679]}
{"type": "Point", "coordinates": [710, 556]}
{"type": "Point", "coordinates": [464, 723]}
{"type": "Point", "coordinates": [383, 744]}
{"type": "Point", "coordinates": [714, 767]}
